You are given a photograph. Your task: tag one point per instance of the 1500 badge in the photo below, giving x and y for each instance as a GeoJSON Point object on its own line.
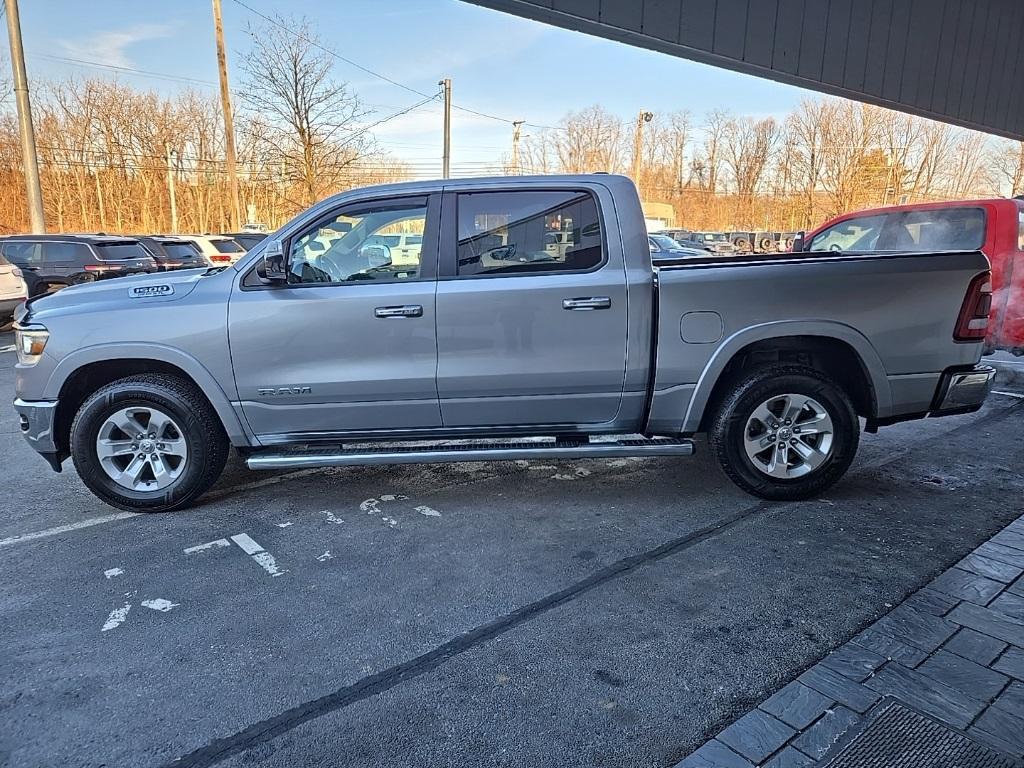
{"type": "Point", "coordinates": [144, 291]}
{"type": "Point", "coordinates": [278, 391]}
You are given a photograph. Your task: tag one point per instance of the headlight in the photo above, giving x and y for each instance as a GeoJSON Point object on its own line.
{"type": "Point", "coordinates": [29, 343]}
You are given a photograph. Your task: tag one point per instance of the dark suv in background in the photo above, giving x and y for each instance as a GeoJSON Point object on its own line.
{"type": "Point", "coordinates": [247, 240]}
{"type": "Point", "coordinates": [50, 262]}
{"type": "Point", "coordinates": [172, 253]}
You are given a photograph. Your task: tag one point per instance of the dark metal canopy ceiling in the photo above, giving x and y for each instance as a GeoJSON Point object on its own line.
{"type": "Point", "coordinates": [960, 61]}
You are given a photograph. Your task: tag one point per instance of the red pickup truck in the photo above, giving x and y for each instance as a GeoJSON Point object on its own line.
{"type": "Point", "coordinates": [995, 227]}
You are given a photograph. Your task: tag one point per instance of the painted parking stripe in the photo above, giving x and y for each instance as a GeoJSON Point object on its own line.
{"type": "Point", "coordinates": [207, 545]}
{"type": "Point", "coordinates": [22, 537]}
{"type": "Point", "coordinates": [8, 348]}
{"type": "Point", "coordinates": [1017, 395]}
{"type": "Point", "coordinates": [247, 544]}
{"type": "Point", "coordinates": [263, 558]}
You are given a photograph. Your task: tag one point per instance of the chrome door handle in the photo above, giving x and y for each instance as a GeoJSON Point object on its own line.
{"type": "Point", "coordinates": [594, 302]}
{"type": "Point", "coordinates": [409, 310]}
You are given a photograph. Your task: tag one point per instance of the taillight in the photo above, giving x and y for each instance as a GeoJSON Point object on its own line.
{"type": "Point", "coordinates": [972, 324]}
{"type": "Point", "coordinates": [103, 267]}
{"type": "Point", "coordinates": [222, 257]}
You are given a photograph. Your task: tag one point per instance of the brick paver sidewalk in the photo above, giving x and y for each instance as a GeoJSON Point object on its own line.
{"type": "Point", "coordinates": [954, 650]}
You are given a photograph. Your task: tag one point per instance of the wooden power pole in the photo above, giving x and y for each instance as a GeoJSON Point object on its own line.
{"type": "Point", "coordinates": [229, 121]}
{"type": "Point", "coordinates": [28, 136]}
{"type": "Point", "coordinates": [517, 129]}
{"type": "Point", "coordinates": [638, 145]}
{"type": "Point", "coordinates": [446, 85]}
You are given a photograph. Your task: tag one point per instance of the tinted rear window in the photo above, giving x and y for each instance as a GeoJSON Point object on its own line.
{"type": "Point", "coordinates": [122, 251]}
{"type": "Point", "coordinates": [66, 253]}
{"type": "Point", "coordinates": [181, 251]}
{"type": "Point", "coordinates": [227, 246]}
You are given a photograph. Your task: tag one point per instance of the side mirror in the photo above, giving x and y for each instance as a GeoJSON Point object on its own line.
{"type": "Point", "coordinates": [272, 269]}
{"type": "Point", "coordinates": [798, 242]}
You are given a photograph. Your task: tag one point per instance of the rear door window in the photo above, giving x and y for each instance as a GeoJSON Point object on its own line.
{"type": "Point", "coordinates": [940, 229]}
{"type": "Point", "coordinates": [507, 233]}
{"type": "Point", "coordinates": [66, 253]}
{"type": "Point", "coordinates": [182, 250]}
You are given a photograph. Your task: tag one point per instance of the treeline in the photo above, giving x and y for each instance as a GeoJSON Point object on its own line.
{"type": "Point", "coordinates": [110, 154]}
{"type": "Point", "coordinates": [120, 159]}
{"type": "Point", "coordinates": [738, 172]}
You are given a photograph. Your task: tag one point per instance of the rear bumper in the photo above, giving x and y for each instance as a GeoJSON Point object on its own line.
{"type": "Point", "coordinates": [963, 390]}
{"type": "Point", "coordinates": [7, 306]}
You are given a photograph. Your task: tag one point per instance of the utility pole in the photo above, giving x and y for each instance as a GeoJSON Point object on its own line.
{"type": "Point", "coordinates": [638, 145]}
{"type": "Point", "coordinates": [28, 135]}
{"type": "Point", "coordinates": [446, 85]}
{"type": "Point", "coordinates": [229, 121]}
{"type": "Point", "coordinates": [170, 189]}
{"type": "Point", "coordinates": [517, 127]}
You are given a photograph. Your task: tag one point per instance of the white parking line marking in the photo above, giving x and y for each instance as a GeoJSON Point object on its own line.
{"type": "Point", "coordinates": [284, 525]}
{"type": "Point", "coordinates": [65, 528]}
{"type": "Point", "coordinates": [207, 545]}
{"type": "Point", "coordinates": [116, 617]}
{"type": "Point", "coordinates": [8, 348]}
{"type": "Point", "coordinates": [261, 556]}
{"type": "Point", "coordinates": [159, 604]}
{"type": "Point", "coordinates": [1018, 395]}
{"type": "Point", "coordinates": [247, 544]}
{"type": "Point", "coordinates": [325, 556]}
{"type": "Point", "coordinates": [331, 517]}
{"type": "Point", "coordinates": [428, 511]}
{"type": "Point", "coordinates": [112, 572]}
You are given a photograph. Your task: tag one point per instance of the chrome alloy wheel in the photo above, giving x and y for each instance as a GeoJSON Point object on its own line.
{"type": "Point", "coordinates": [788, 436]}
{"type": "Point", "coordinates": [141, 449]}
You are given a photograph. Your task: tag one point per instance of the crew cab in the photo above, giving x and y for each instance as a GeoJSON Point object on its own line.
{"type": "Point", "coordinates": [993, 226]}
{"type": "Point", "coordinates": [315, 352]}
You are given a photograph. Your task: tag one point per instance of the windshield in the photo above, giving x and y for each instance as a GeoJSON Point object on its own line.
{"type": "Point", "coordinates": [227, 246]}
{"type": "Point", "coordinates": [665, 242]}
{"type": "Point", "coordinates": [121, 251]}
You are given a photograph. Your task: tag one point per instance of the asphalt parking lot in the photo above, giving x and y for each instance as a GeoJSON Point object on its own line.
{"type": "Point", "coordinates": [599, 613]}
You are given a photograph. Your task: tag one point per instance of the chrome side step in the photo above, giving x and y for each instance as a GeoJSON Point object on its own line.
{"type": "Point", "coordinates": [476, 451]}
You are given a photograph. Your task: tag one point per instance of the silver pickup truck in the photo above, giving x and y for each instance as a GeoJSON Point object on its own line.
{"type": "Point", "coordinates": [484, 337]}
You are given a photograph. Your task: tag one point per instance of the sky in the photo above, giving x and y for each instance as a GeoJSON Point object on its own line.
{"type": "Point", "coordinates": [500, 65]}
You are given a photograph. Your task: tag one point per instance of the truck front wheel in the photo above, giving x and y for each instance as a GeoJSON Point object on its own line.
{"type": "Point", "coordinates": [785, 432]}
{"type": "Point", "coordinates": [148, 443]}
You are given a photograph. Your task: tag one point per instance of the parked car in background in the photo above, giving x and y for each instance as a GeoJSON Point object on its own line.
{"type": "Point", "coordinates": [297, 354]}
{"type": "Point", "coordinates": [664, 248]}
{"type": "Point", "coordinates": [247, 240]}
{"type": "Point", "coordinates": [13, 290]}
{"type": "Point", "coordinates": [714, 242]}
{"type": "Point", "coordinates": [993, 226]}
{"type": "Point", "coordinates": [51, 262]}
{"type": "Point", "coordinates": [404, 247]}
{"type": "Point", "coordinates": [220, 250]}
{"type": "Point", "coordinates": [172, 252]}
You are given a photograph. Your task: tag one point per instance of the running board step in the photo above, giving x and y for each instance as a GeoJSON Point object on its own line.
{"type": "Point", "coordinates": [438, 454]}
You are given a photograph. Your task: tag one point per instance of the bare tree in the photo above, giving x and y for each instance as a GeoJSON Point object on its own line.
{"type": "Point", "coordinates": [592, 139]}
{"type": "Point", "coordinates": [1008, 166]}
{"type": "Point", "coordinates": [312, 121]}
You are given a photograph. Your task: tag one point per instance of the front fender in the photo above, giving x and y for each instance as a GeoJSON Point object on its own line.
{"type": "Point", "coordinates": [869, 357]}
{"type": "Point", "coordinates": [209, 385]}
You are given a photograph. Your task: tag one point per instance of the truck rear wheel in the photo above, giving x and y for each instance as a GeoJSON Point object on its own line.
{"type": "Point", "coordinates": [148, 443]}
{"type": "Point", "coordinates": [785, 432]}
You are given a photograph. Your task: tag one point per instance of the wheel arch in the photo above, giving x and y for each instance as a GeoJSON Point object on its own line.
{"type": "Point", "coordinates": [83, 372]}
{"type": "Point", "coordinates": [828, 346]}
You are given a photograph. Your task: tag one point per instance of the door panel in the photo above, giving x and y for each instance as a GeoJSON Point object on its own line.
{"type": "Point", "coordinates": [547, 346]}
{"type": "Point", "coordinates": [362, 372]}
{"type": "Point", "coordinates": [349, 344]}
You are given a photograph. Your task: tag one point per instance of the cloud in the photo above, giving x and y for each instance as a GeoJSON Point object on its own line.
{"type": "Point", "coordinates": [110, 47]}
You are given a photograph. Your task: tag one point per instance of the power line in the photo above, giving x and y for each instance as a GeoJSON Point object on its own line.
{"type": "Point", "coordinates": [378, 75]}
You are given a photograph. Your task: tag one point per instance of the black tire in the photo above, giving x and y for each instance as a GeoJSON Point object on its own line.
{"type": "Point", "coordinates": [199, 424]}
{"type": "Point", "coordinates": [728, 430]}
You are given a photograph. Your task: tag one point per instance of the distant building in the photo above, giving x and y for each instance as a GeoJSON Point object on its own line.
{"type": "Point", "coordinates": [658, 215]}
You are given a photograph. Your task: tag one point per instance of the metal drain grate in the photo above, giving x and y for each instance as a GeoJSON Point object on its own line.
{"type": "Point", "coordinates": [898, 737]}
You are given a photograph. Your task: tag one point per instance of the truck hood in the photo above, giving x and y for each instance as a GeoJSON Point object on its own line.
{"type": "Point", "coordinates": [133, 290]}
